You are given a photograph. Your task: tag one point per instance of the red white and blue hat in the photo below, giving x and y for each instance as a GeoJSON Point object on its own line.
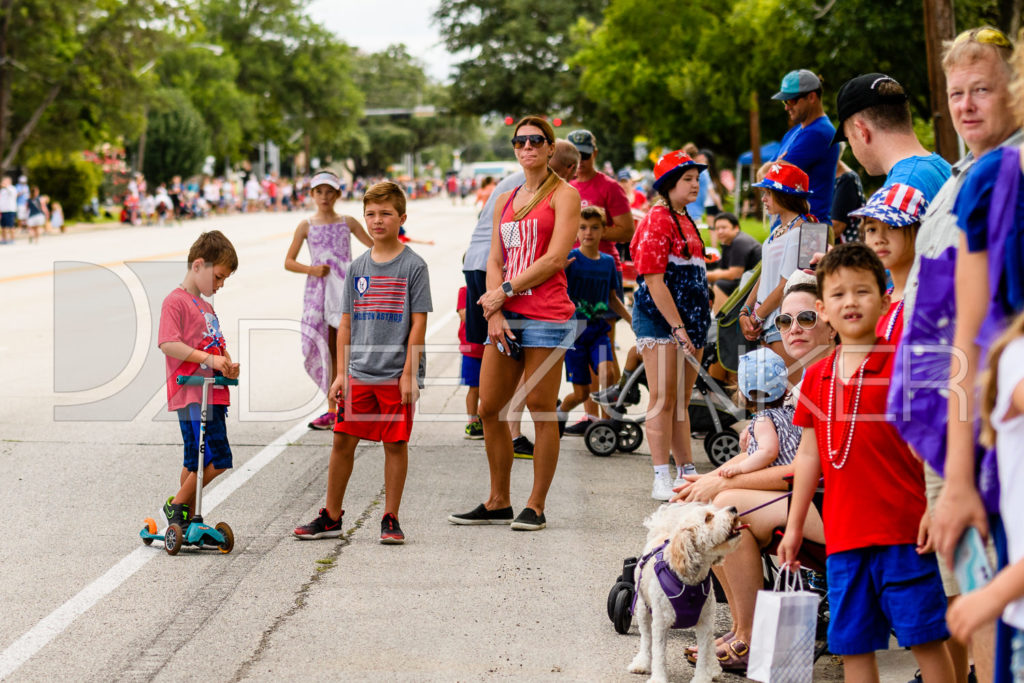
{"type": "Point", "coordinates": [672, 165]}
{"type": "Point", "coordinates": [786, 178]}
{"type": "Point", "coordinates": [897, 205]}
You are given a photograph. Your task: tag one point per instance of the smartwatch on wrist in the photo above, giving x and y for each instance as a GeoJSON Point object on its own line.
{"type": "Point", "coordinates": [506, 287]}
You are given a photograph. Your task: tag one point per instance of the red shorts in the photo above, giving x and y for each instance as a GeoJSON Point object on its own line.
{"type": "Point", "coordinates": [375, 412]}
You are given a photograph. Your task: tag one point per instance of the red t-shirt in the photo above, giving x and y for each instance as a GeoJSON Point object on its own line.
{"type": "Point", "coordinates": [639, 199]}
{"type": "Point", "coordinates": [466, 348]}
{"type": "Point", "coordinates": [190, 320]}
{"type": "Point", "coordinates": [877, 497]}
{"type": "Point", "coordinates": [523, 242]}
{"type": "Point", "coordinates": [603, 191]}
{"type": "Point", "coordinates": [657, 239]}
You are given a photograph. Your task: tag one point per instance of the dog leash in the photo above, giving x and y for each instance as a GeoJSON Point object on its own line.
{"type": "Point", "coordinates": [763, 505]}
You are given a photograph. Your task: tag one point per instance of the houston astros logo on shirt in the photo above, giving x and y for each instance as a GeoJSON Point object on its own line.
{"type": "Point", "coordinates": [362, 284]}
{"type": "Point", "coordinates": [380, 298]}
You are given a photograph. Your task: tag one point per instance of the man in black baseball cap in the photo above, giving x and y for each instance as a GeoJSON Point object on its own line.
{"type": "Point", "coordinates": [874, 117]}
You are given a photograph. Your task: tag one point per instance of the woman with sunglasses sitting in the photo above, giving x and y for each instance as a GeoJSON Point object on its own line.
{"type": "Point", "coordinates": [530, 323]}
{"type": "Point", "coordinates": [806, 339]}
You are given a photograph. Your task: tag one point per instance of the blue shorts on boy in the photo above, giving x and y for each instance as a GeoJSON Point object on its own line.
{"type": "Point", "coordinates": [374, 411]}
{"type": "Point", "coordinates": [218, 451]}
{"type": "Point", "coordinates": [471, 371]}
{"type": "Point", "coordinates": [873, 589]}
{"type": "Point", "coordinates": [591, 348]}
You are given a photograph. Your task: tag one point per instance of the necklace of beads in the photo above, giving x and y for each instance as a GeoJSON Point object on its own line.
{"type": "Point", "coordinates": [892, 321]}
{"type": "Point", "coordinates": [834, 452]}
{"type": "Point", "coordinates": [780, 231]}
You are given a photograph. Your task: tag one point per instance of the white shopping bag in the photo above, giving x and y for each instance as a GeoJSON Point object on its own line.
{"type": "Point", "coordinates": [785, 623]}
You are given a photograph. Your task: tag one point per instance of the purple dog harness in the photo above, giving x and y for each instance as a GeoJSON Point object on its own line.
{"type": "Point", "coordinates": [687, 601]}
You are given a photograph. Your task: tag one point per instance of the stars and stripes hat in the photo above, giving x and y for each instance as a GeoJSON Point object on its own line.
{"type": "Point", "coordinates": [672, 165]}
{"type": "Point", "coordinates": [786, 178]}
{"type": "Point", "coordinates": [763, 370]}
{"type": "Point", "coordinates": [897, 205]}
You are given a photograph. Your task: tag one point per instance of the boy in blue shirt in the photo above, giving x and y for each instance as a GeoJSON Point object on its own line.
{"type": "Point", "coordinates": [594, 288]}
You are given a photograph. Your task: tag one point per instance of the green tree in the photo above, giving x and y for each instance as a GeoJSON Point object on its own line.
{"type": "Point", "coordinates": [177, 139]}
{"type": "Point", "coordinates": [67, 69]}
{"type": "Point", "coordinates": [517, 52]}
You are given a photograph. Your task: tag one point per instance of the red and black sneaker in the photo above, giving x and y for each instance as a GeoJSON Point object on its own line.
{"type": "Point", "coordinates": [390, 532]}
{"type": "Point", "coordinates": [321, 527]}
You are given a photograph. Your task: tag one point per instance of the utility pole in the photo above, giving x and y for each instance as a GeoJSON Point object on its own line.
{"type": "Point", "coordinates": [939, 25]}
{"type": "Point", "coordinates": [755, 145]}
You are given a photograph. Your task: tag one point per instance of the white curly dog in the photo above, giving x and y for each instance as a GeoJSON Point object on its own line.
{"type": "Point", "coordinates": [673, 583]}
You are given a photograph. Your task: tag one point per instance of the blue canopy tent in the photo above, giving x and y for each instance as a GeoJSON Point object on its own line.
{"type": "Point", "coordinates": [768, 151]}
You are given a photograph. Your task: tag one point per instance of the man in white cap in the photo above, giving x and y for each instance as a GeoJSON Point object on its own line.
{"type": "Point", "coordinates": [808, 144]}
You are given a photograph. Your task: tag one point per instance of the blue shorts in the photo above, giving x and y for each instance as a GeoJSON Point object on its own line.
{"type": "Point", "coordinates": [471, 371]}
{"type": "Point", "coordinates": [592, 347]}
{"type": "Point", "coordinates": [541, 334]}
{"type": "Point", "coordinates": [8, 219]}
{"type": "Point", "coordinates": [218, 450]}
{"type": "Point", "coordinates": [1017, 658]}
{"type": "Point", "coordinates": [476, 324]}
{"type": "Point", "coordinates": [648, 328]}
{"type": "Point", "coordinates": [871, 590]}
{"type": "Point", "coordinates": [771, 334]}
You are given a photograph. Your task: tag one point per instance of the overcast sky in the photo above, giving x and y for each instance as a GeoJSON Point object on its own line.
{"type": "Point", "coordinates": [372, 26]}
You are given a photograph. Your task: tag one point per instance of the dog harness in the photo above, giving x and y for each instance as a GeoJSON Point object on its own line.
{"type": "Point", "coordinates": [687, 601]}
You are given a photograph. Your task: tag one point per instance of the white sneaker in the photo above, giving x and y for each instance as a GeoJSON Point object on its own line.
{"type": "Point", "coordinates": [662, 488]}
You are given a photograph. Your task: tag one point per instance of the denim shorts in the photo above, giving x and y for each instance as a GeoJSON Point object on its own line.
{"type": "Point", "coordinates": [646, 327]}
{"type": "Point", "coordinates": [771, 334]}
{"type": "Point", "coordinates": [540, 334]}
{"type": "Point", "coordinates": [218, 450]}
{"type": "Point", "coordinates": [871, 590]}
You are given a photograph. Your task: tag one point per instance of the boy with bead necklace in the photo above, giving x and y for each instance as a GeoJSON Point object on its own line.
{"type": "Point", "coordinates": [874, 486]}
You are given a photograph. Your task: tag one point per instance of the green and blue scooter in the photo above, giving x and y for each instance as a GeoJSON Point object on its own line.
{"type": "Point", "coordinates": [197, 534]}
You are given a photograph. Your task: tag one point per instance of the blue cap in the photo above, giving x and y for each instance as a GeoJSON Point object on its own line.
{"type": "Point", "coordinates": [796, 83]}
{"type": "Point", "coordinates": [763, 370]}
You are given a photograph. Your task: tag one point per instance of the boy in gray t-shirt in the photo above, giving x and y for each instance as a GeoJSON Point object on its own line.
{"type": "Point", "coordinates": [381, 362]}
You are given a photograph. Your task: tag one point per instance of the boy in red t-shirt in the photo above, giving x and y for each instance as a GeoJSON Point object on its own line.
{"type": "Point", "coordinates": [472, 355]}
{"type": "Point", "coordinates": [191, 339]}
{"type": "Point", "coordinates": [874, 486]}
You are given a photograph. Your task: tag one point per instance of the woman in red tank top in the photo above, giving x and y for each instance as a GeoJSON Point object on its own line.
{"type": "Point", "coordinates": [529, 322]}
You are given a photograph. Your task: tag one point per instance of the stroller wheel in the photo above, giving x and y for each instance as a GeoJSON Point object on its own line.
{"type": "Point", "coordinates": [630, 437]}
{"type": "Point", "coordinates": [601, 438]}
{"type": "Point", "coordinates": [721, 446]}
{"type": "Point", "coordinates": [622, 617]}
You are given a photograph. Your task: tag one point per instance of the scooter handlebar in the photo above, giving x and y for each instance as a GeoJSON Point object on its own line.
{"type": "Point", "coordinates": [199, 379]}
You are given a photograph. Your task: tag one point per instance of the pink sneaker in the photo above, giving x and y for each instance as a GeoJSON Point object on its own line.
{"type": "Point", "coordinates": [325, 421]}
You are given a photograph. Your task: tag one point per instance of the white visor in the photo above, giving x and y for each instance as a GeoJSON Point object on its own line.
{"type": "Point", "coordinates": [325, 179]}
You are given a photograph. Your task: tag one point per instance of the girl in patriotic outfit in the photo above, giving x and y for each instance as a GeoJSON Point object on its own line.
{"type": "Point", "coordinates": [671, 313]}
{"type": "Point", "coordinates": [891, 219]}
{"type": "Point", "coordinates": [785, 195]}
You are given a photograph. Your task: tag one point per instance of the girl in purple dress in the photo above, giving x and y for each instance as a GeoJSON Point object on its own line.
{"type": "Point", "coordinates": [328, 236]}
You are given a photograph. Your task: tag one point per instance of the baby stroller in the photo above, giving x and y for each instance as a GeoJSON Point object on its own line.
{"type": "Point", "coordinates": [711, 413]}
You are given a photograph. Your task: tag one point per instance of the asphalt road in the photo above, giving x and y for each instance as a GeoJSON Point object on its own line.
{"type": "Point", "coordinates": [87, 451]}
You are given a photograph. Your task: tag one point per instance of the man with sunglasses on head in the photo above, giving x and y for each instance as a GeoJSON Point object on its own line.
{"type": "Point", "coordinates": [598, 189]}
{"type": "Point", "coordinates": [808, 144]}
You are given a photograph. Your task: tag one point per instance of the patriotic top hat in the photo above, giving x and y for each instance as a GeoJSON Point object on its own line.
{"type": "Point", "coordinates": [897, 205]}
{"type": "Point", "coordinates": [786, 178]}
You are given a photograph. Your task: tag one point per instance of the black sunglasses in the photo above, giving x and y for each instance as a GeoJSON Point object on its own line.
{"type": "Point", "coordinates": [805, 319]}
{"type": "Point", "coordinates": [519, 141]}
{"type": "Point", "coordinates": [585, 156]}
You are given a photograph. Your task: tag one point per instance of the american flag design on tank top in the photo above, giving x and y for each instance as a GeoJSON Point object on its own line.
{"type": "Point", "coordinates": [519, 239]}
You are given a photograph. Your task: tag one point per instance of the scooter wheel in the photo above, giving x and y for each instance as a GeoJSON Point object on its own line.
{"type": "Point", "coordinates": [601, 438]}
{"type": "Point", "coordinates": [229, 537]}
{"type": "Point", "coordinates": [174, 536]}
{"type": "Point", "coordinates": [622, 617]}
{"type": "Point", "coordinates": [150, 529]}
{"type": "Point", "coordinates": [630, 437]}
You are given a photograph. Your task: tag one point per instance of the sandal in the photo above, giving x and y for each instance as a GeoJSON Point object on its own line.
{"type": "Point", "coordinates": [691, 651]}
{"type": "Point", "coordinates": [734, 656]}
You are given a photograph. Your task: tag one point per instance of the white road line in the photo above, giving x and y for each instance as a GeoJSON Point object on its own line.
{"type": "Point", "coordinates": [53, 624]}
